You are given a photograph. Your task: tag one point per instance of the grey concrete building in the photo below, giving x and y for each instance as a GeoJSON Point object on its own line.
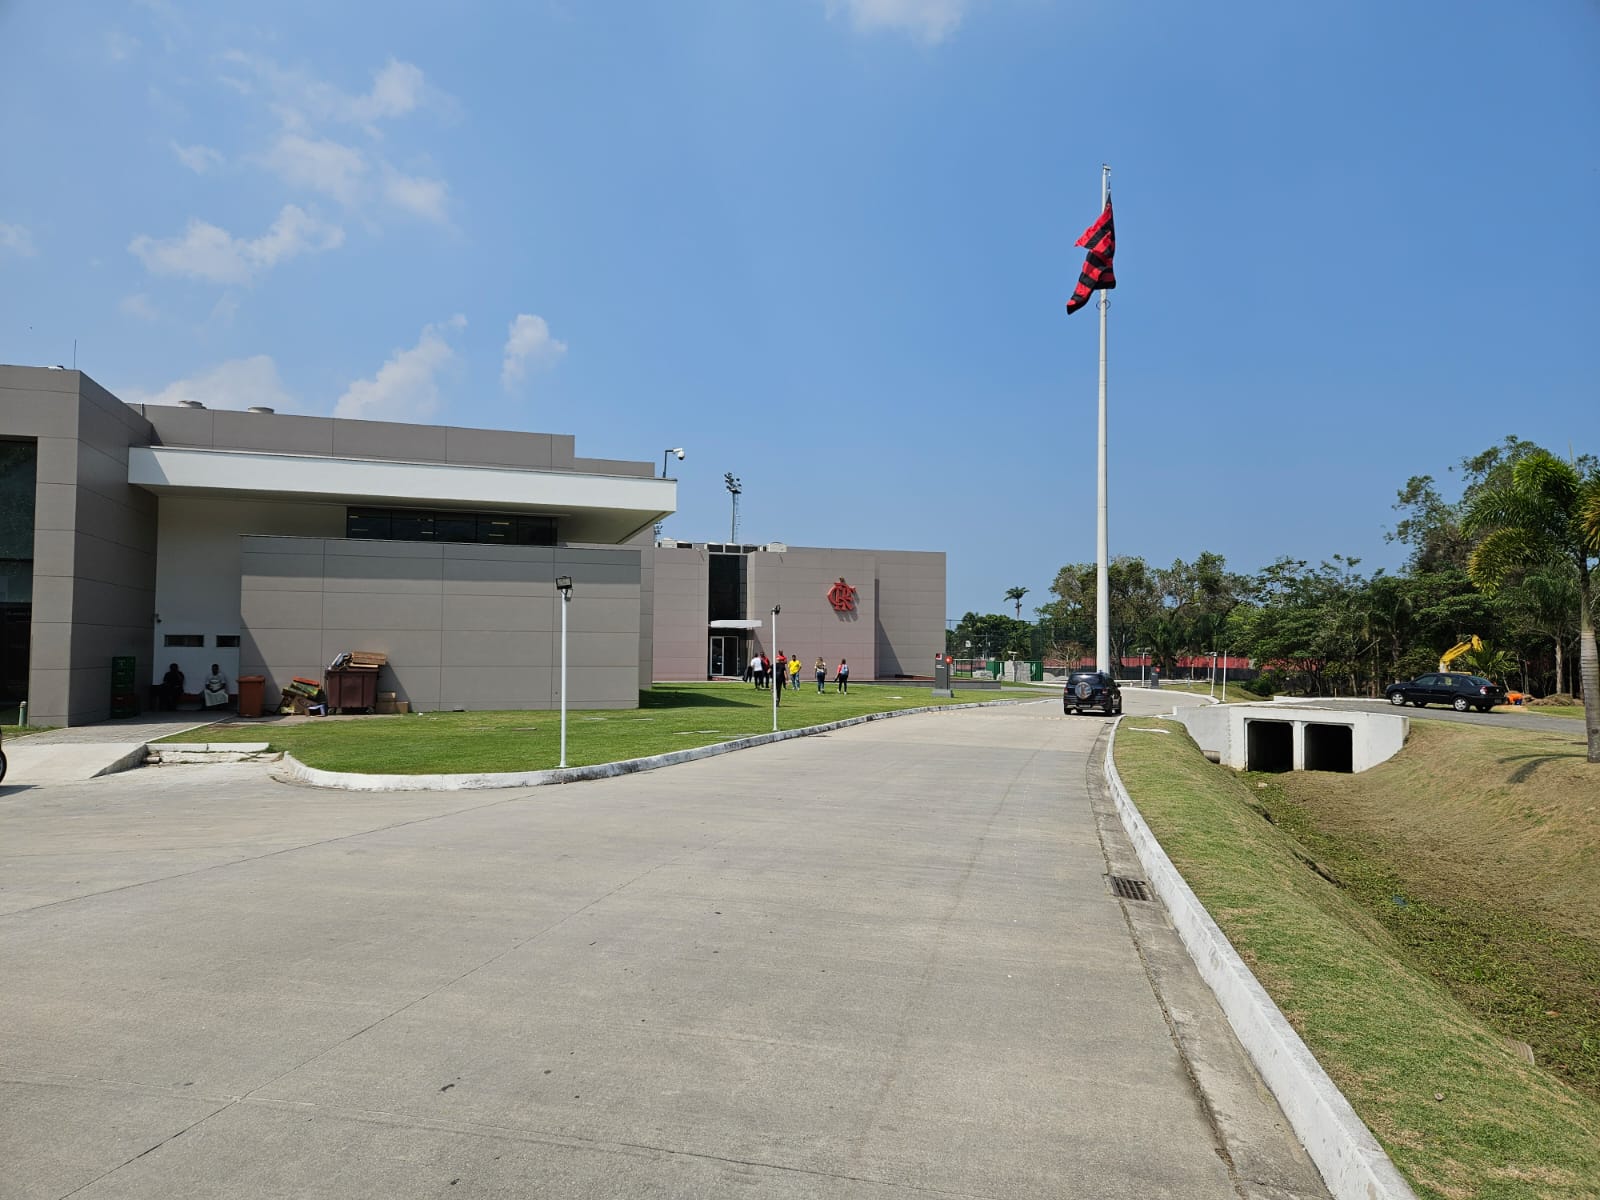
{"type": "Point", "coordinates": [883, 610]}
{"type": "Point", "coordinates": [268, 543]}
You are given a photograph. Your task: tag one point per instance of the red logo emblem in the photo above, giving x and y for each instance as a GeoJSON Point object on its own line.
{"type": "Point", "coordinates": [842, 596]}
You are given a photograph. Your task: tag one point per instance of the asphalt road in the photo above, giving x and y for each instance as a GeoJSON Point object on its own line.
{"type": "Point", "coordinates": [878, 963]}
{"type": "Point", "coordinates": [1434, 712]}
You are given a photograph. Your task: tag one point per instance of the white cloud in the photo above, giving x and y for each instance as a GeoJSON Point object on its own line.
{"type": "Point", "coordinates": [138, 305]}
{"type": "Point", "coordinates": [210, 253]}
{"type": "Point", "coordinates": [14, 239]}
{"type": "Point", "coordinates": [528, 342]}
{"type": "Point", "coordinates": [405, 387]}
{"type": "Point", "coordinates": [398, 89]}
{"type": "Point", "coordinates": [930, 20]}
{"type": "Point", "coordinates": [353, 178]}
{"type": "Point", "coordinates": [329, 167]}
{"type": "Point", "coordinates": [417, 195]}
{"type": "Point", "coordinates": [198, 159]}
{"type": "Point", "coordinates": [238, 383]}
{"type": "Point", "coordinates": [120, 46]}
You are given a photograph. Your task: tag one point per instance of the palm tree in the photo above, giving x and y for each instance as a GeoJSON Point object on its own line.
{"type": "Point", "coordinates": [1016, 594]}
{"type": "Point", "coordinates": [1535, 512]}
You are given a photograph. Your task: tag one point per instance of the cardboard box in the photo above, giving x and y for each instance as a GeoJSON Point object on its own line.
{"type": "Point", "coordinates": [392, 707]}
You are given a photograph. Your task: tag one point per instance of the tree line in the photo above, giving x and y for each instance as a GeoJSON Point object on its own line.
{"type": "Point", "coordinates": [1512, 561]}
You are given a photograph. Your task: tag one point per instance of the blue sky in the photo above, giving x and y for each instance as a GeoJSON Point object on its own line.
{"type": "Point", "coordinates": [826, 245]}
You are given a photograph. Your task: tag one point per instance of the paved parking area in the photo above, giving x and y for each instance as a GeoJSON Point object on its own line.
{"type": "Point", "coordinates": [882, 962]}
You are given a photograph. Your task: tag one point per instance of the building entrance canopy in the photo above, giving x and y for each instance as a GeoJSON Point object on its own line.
{"type": "Point", "coordinates": [593, 508]}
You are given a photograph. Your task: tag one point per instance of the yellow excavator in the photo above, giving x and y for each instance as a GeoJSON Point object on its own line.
{"type": "Point", "coordinates": [1470, 642]}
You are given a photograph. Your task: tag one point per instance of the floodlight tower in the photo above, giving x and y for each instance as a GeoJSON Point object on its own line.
{"type": "Point", "coordinates": [731, 482]}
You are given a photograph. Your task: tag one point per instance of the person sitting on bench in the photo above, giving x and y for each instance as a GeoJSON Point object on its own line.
{"type": "Point", "coordinates": [216, 688]}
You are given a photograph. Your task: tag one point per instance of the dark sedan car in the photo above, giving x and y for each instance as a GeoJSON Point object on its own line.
{"type": "Point", "coordinates": [1458, 690]}
{"type": "Point", "coordinates": [1091, 689]}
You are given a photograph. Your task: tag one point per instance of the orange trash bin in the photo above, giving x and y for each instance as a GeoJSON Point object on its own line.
{"type": "Point", "coordinates": [252, 691]}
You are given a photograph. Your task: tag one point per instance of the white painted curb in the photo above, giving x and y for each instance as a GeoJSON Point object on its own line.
{"type": "Point", "coordinates": [353, 781]}
{"type": "Point", "coordinates": [1353, 1164]}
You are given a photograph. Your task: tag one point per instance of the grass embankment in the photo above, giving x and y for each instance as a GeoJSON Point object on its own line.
{"type": "Point", "coordinates": [671, 716]}
{"type": "Point", "coordinates": [1483, 834]}
{"type": "Point", "coordinates": [1232, 694]}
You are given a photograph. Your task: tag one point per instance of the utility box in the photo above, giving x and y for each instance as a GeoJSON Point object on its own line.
{"type": "Point", "coordinates": [124, 692]}
{"type": "Point", "coordinates": [252, 694]}
{"type": "Point", "coordinates": [352, 687]}
{"type": "Point", "coordinates": [941, 675]}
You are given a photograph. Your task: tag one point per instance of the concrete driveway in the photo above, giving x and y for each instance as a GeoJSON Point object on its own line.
{"type": "Point", "coordinates": [878, 963]}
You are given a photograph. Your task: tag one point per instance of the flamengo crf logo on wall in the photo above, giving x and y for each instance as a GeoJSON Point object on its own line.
{"type": "Point", "coordinates": [842, 596]}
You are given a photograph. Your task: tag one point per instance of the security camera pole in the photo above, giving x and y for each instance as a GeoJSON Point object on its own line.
{"type": "Point", "coordinates": [666, 454]}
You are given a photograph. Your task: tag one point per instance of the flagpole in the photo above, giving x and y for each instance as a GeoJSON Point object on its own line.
{"type": "Point", "coordinates": [1102, 587]}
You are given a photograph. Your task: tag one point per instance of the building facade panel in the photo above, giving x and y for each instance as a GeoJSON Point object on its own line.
{"type": "Point", "coordinates": [451, 649]}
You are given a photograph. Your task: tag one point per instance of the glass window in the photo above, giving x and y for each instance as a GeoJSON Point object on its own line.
{"type": "Point", "coordinates": [418, 525]}
{"type": "Point", "coordinates": [18, 484]}
{"type": "Point", "coordinates": [497, 530]}
{"type": "Point", "coordinates": [408, 526]}
{"type": "Point", "coordinates": [536, 531]}
{"type": "Point", "coordinates": [455, 527]}
{"type": "Point", "coordinates": [367, 523]}
{"type": "Point", "coordinates": [227, 641]}
{"type": "Point", "coordinates": [185, 639]}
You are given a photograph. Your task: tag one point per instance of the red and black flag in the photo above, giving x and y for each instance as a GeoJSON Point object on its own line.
{"type": "Point", "coordinates": [1101, 239]}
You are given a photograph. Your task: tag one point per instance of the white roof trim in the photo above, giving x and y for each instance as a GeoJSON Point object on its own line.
{"type": "Point", "coordinates": [735, 624]}
{"type": "Point", "coordinates": [173, 468]}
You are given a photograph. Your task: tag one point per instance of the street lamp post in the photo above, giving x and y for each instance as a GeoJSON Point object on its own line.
{"type": "Point", "coordinates": [564, 586]}
{"type": "Point", "coordinates": [665, 454]}
{"type": "Point", "coordinates": [1144, 662]}
{"type": "Point", "coordinates": [776, 685]}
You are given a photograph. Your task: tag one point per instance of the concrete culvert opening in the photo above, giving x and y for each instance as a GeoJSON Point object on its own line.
{"type": "Point", "coordinates": [1330, 748]}
{"type": "Point", "coordinates": [1268, 746]}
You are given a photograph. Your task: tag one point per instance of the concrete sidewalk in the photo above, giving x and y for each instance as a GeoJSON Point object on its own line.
{"type": "Point", "coordinates": [82, 752]}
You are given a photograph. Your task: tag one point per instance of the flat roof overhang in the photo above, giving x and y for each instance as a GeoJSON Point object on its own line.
{"type": "Point", "coordinates": [593, 508]}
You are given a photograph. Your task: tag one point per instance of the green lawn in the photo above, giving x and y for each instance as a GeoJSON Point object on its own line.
{"type": "Point", "coordinates": [1430, 1069]}
{"type": "Point", "coordinates": [1548, 710]}
{"type": "Point", "coordinates": [671, 716]}
{"type": "Point", "coordinates": [1233, 694]}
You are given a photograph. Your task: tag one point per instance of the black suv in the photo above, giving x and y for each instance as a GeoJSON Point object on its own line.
{"type": "Point", "coordinates": [1091, 689]}
{"type": "Point", "coordinates": [1458, 690]}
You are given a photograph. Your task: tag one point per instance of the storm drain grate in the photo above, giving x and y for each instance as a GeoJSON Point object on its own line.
{"type": "Point", "coordinates": [1129, 889]}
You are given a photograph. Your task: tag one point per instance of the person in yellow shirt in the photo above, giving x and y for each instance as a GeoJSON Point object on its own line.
{"type": "Point", "coordinates": [794, 672]}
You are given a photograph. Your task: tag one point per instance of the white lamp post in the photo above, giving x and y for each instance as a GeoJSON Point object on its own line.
{"type": "Point", "coordinates": [564, 586]}
{"type": "Point", "coordinates": [774, 684]}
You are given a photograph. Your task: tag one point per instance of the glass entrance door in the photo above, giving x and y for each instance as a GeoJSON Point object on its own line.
{"type": "Point", "coordinates": [725, 653]}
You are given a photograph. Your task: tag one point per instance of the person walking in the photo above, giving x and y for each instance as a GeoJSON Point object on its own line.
{"type": "Point", "coordinates": [766, 671]}
{"type": "Point", "coordinates": [794, 672]}
{"type": "Point", "coordinates": [841, 677]}
{"type": "Point", "coordinates": [822, 674]}
{"type": "Point", "coordinates": [780, 671]}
